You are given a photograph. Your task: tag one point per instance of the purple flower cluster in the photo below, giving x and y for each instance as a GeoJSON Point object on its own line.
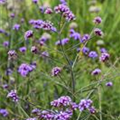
{"type": "Point", "coordinates": [98, 32]}
{"type": "Point", "coordinates": [86, 104]}
{"type": "Point", "coordinates": [22, 49]}
{"type": "Point", "coordinates": [75, 35]}
{"type": "Point", "coordinates": [62, 42]}
{"type": "Point", "coordinates": [56, 71]}
{"type": "Point", "coordinates": [13, 95]}
{"type": "Point", "coordinates": [85, 38]}
{"type": "Point", "coordinates": [96, 71]}
{"type": "Point", "coordinates": [92, 110]}
{"type": "Point", "coordinates": [4, 112]}
{"type": "Point", "coordinates": [42, 40]}
{"type": "Point", "coordinates": [24, 69]}
{"type": "Point", "coordinates": [2, 31]}
{"type": "Point", "coordinates": [36, 111]}
{"type": "Point", "coordinates": [44, 54]}
{"type": "Point", "coordinates": [5, 86]}
{"type": "Point", "coordinates": [109, 84]}
{"type": "Point", "coordinates": [12, 55]}
{"type": "Point", "coordinates": [28, 34]}
{"type": "Point", "coordinates": [34, 49]}
{"type": "Point", "coordinates": [65, 11]}
{"type": "Point", "coordinates": [97, 20]}
{"type": "Point", "coordinates": [46, 115]}
{"type": "Point", "coordinates": [12, 15]}
{"type": "Point", "coordinates": [6, 43]}
{"type": "Point", "coordinates": [85, 50]}
{"type": "Point", "coordinates": [57, 115]}
{"type": "Point", "coordinates": [104, 57]}
{"type": "Point", "coordinates": [48, 11]}
{"type": "Point", "coordinates": [103, 50]}
{"type": "Point", "coordinates": [65, 108]}
{"type": "Point", "coordinates": [42, 8]}
{"type": "Point", "coordinates": [40, 24]}
{"type": "Point", "coordinates": [62, 101]}
{"type": "Point", "coordinates": [63, 115]}
{"type": "Point", "coordinates": [2, 1]}
{"type": "Point", "coordinates": [16, 27]}
{"type": "Point", "coordinates": [93, 54]}
{"type": "Point", "coordinates": [63, 2]}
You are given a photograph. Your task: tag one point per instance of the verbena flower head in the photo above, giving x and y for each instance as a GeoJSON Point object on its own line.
{"type": "Point", "coordinates": [6, 43]}
{"type": "Point", "coordinates": [4, 112]}
{"type": "Point", "coordinates": [75, 35]}
{"type": "Point", "coordinates": [12, 15]}
{"type": "Point", "coordinates": [56, 71]}
{"type": "Point", "coordinates": [97, 20]}
{"type": "Point", "coordinates": [46, 115]}
{"type": "Point", "coordinates": [72, 31]}
{"type": "Point", "coordinates": [13, 95]}
{"type": "Point", "coordinates": [42, 8]}
{"type": "Point", "coordinates": [96, 71]}
{"type": "Point", "coordinates": [16, 27]}
{"type": "Point", "coordinates": [36, 111]}
{"type": "Point", "coordinates": [103, 50]}
{"type": "Point", "coordinates": [44, 54]}
{"type": "Point", "coordinates": [22, 49]}
{"type": "Point", "coordinates": [104, 57]}
{"type": "Point", "coordinates": [93, 54]}
{"type": "Point", "coordinates": [24, 69]}
{"type": "Point", "coordinates": [63, 116]}
{"type": "Point", "coordinates": [85, 50]}
{"type": "Point", "coordinates": [65, 11]}
{"type": "Point", "coordinates": [109, 84]}
{"type": "Point", "coordinates": [92, 110]}
{"type": "Point", "coordinates": [62, 42]}
{"type": "Point", "coordinates": [5, 86]}
{"type": "Point", "coordinates": [45, 25]}
{"type": "Point", "coordinates": [74, 106]}
{"type": "Point", "coordinates": [12, 55]}
{"type": "Point", "coordinates": [85, 104]}
{"type": "Point", "coordinates": [43, 39]}
{"type": "Point", "coordinates": [62, 101]}
{"type": "Point", "coordinates": [28, 34]}
{"type": "Point", "coordinates": [85, 38]}
{"type": "Point", "coordinates": [63, 2]}
{"type": "Point", "coordinates": [98, 32]}
{"type": "Point", "coordinates": [34, 49]}
{"type": "Point", "coordinates": [2, 1]}
{"type": "Point", "coordinates": [48, 11]}
{"type": "Point", "coordinates": [2, 31]}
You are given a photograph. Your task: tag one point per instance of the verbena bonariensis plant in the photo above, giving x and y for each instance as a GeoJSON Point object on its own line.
{"type": "Point", "coordinates": [35, 59]}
